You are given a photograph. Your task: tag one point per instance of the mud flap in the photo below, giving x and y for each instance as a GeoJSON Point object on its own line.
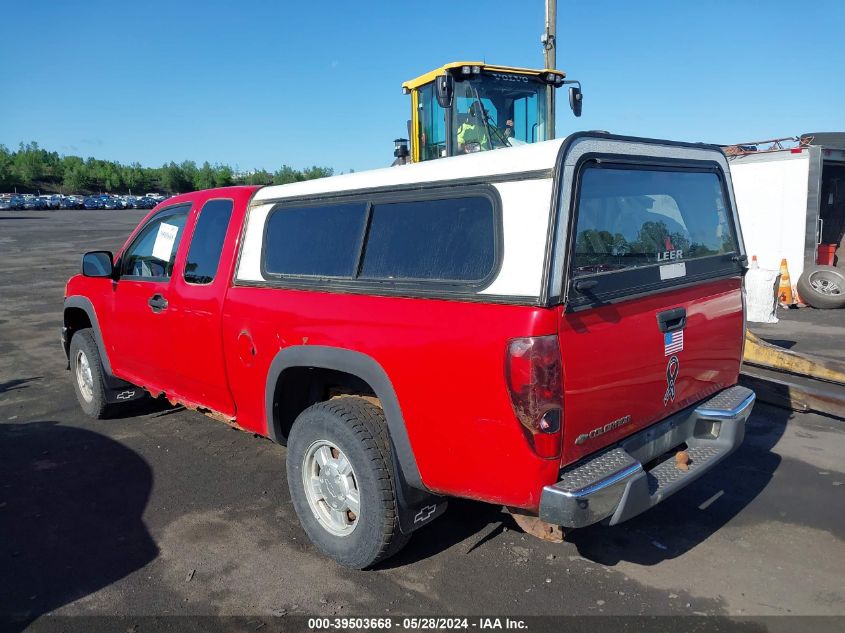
{"type": "Point", "coordinates": [119, 391]}
{"type": "Point", "coordinates": [415, 507]}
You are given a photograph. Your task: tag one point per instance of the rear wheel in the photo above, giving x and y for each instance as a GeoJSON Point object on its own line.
{"type": "Point", "coordinates": [87, 371]}
{"type": "Point", "coordinates": [823, 287]}
{"type": "Point", "coordinates": [340, 475]}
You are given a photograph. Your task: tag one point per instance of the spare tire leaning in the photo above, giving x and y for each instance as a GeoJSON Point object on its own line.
{"type": "Point", "coordinates": [823, 287]}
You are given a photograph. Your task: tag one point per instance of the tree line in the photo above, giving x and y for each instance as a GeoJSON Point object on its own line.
{"type": "Point", "coordinates": [32, 168]}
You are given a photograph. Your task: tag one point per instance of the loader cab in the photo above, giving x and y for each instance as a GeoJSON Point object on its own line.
{"type": "Point", "coordinates": [467, 107]}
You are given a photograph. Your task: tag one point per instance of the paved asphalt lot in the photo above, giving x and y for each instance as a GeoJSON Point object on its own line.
{"type": "Point", "coordinates": [806, 330]}
{"type": "Point", "coordinates": [170, 512]}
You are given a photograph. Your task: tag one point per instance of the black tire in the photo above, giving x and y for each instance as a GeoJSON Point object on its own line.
{"type": "Point", "coordinates": [823, 287]}
{"type": "Point", "coordinates": [83, 345]}
{"type": "Point", "coordinates": [358, 429]}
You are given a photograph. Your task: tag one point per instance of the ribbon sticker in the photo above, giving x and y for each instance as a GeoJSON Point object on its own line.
{"type": "Point", "coordinates": [672, 370]}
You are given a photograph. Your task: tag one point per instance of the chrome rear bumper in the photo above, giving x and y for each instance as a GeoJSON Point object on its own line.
{"type": "Point", "coordinates": [615, 485]}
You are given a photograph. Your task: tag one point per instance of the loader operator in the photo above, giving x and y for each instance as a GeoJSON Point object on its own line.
{"type": "Point", "coordinates": [477, 133]}
{"type": "Point", "coordinates": [472, 133]}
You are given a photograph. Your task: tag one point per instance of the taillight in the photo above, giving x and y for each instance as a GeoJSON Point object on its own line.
{"type": "Point", "coordinates": [534, 378]}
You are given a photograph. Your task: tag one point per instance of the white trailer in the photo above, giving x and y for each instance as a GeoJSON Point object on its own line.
{"type": "Point", "coordinates": [791, 204]}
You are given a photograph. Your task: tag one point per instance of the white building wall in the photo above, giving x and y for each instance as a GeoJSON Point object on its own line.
{"type": "Point", "coordinates": [771, 199]}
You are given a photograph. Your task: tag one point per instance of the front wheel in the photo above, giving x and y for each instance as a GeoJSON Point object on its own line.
{"type": "Point", "coordinates": [87, 368]}
{"type": "Point", "coordinates": [340, 475]}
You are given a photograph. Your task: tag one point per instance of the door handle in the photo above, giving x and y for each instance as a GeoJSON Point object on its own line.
{"type": "Point", "coordinates": [671, 320]}
{"type": "Point", "coordinates": [157, 303]}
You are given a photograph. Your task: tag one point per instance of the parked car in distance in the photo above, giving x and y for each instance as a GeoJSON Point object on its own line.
{"type": "Point", "coordinates": [6, 203]}
{"type": "Point", "coordinates": [557, 328]}
{"type": "Point", "coordinates": [110, 202]}
{"type": "Point", "coordinates": [92, 202]}
{"type": "Point", "coordinates": [145, 203]}
{"type": "Point", "coordinates": [14, 201]}
{"type": "Point", "coordinates": [72, 202]}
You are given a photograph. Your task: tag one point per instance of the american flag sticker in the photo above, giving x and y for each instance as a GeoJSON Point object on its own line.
{"type": "Point", "coordinates": [673, 342]}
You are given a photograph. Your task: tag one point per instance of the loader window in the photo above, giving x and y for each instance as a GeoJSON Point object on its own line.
{"type": "Point", "coordinates": [432, 131]}
{"type": "Point", "coordinates": [639, 217]}
{"type": "Point", "coordinates": [506, 109]}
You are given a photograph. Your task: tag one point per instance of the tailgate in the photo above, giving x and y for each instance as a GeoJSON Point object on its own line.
{"type": "Point", "coordinates": [652, 317]}
{"type": "Point", "coordinates": [617, 362]}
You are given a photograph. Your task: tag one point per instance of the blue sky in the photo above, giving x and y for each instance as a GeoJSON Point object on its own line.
{"type": "Point", "coordinates": [259, 84]}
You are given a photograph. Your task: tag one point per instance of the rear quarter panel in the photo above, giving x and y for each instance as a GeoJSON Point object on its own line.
{"type": "Point", "coordinates": [445, 360]}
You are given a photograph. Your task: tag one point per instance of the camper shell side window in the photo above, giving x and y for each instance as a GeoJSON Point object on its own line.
{"type": "Point", "coordinates": [446, 240]}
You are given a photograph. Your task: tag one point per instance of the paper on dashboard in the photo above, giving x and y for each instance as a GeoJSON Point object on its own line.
{"type": "Point", "coordinates": [165, 238]}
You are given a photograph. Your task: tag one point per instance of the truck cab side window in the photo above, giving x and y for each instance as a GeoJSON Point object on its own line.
{"type": "Point", "coordinates": [207, 242]}
{"type": "Point", "coordinates": [153, 252]}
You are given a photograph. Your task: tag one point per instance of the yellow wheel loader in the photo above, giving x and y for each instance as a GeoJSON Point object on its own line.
{"type": "Point", "coordinates": [466, 107]}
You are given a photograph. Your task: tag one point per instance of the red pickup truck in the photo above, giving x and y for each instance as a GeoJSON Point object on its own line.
{"type": "Point", "coordinates": [556, 327]}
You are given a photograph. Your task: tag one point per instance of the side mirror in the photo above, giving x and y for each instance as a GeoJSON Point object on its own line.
{"type": "Point", "coordinates": [97, 264]}
{"type": "Point", "coordinates": [444, 88]}
{"type": "Point", "coordinates": [575, 99]}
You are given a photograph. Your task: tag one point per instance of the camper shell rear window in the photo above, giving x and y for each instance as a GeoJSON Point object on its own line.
{"type": "Point", "coordinates": [639, 227]}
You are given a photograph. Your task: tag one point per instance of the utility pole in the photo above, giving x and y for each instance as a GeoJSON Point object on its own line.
{"type": "Point", "coordinates": [548, 39]}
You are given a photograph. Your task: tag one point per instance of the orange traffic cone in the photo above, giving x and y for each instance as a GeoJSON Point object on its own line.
{"type": "Point", "coordinates": [785, 288]}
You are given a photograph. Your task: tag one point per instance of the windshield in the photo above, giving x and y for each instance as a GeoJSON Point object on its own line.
{"type": "Point", "coordinates": [494, 110]}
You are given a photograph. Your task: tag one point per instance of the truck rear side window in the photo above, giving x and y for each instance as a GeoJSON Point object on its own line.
{"type": "Point", "coordinates": [629, 218]}
{"type": "Point", "coordinates": [437, 240]}
{"type": "Point", "coordinates": [207, 242]}
{"type": "Point", "coordinates": [314, 241]}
